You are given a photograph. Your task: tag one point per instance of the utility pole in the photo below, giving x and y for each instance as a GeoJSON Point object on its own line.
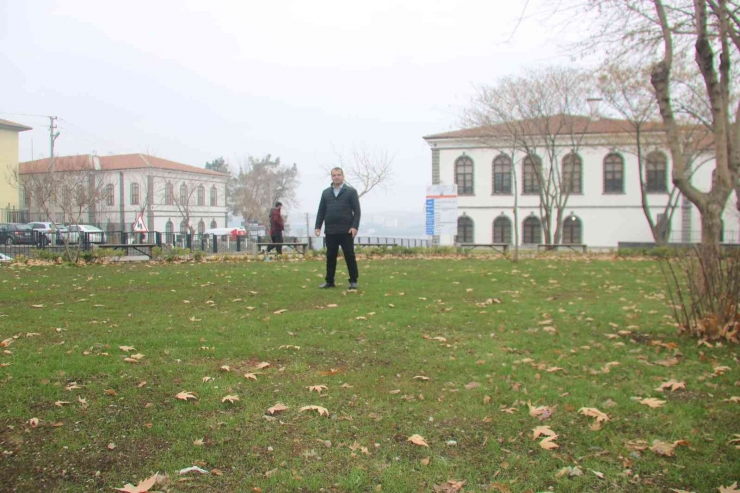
{"type": "Point", "coordinates": [308, 232]}
{"type": "Point", "coordinates": [52, 138]}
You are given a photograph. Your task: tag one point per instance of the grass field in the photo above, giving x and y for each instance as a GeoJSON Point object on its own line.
{"type": "Point", "coordinates": [471, 354]}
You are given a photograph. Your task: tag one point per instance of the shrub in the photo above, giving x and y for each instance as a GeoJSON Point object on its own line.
{"type": "Point", "coordinates": [704, 288]}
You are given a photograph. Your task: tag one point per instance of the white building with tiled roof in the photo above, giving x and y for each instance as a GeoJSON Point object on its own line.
{"type": "Point", "coordinates": [173, 197]}
{"type": "Point", "coordinates": [604, 207]}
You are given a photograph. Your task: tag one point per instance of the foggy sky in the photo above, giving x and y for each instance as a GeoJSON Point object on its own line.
{"type": "Point", "coordinates": [192, 81]}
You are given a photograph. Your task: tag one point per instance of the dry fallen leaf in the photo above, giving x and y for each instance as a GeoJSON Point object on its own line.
{"type": "Point", "coordinates": [61, 403]}
{"type": "Point", "coordinates": [250, 376]}
{"type": "Point", "coordinates": [142, 487]}
{"type": "Point", "coordinates": [424, 461]}
{"type": "Point", "coordinates": [472, 385]}
{"type": "Point", "coordinates": [277, 408]}
{"type": "Point", "coordinates": [549, 443]}
{"type": "Point", "coordinates": [321, 410]}
{"type": "Point", "coordinates": [451, 486]}
{"type": "Point", "coordinates": [665, 448]}
{"type": "Point", "coordinates": [540, 412]}
{"type": "Point", "coordinates": [544, 431]}
{"type": "Point", "coordinates": [280, 312]}
{"type": "Point", "coordinates": [317, 388]}
{"type": "Point", "coordinates": [126, 349]}
{"type": "Point", "coordinates": [198, 442]}
{"type": "Point", "coordinates": [231, 398]}
{"type": "Point", "coordinates": [417, 440]}
{"type": "Point", "coordinates": [262, 365]}
{"type": "Point", "coordinates": [673, 385]}
{"type": "Point", "coordinates": [729, 489]}
{"type": "Point", "coordinates": [184, 396]}
{"type": "Point", "coordinates": [207, 379]}
{"type": "Point", "coordinates": [225, 368]}
{"type": "Point", "coordinates": [652, 402]}
{"type": "Point", "coordinates": [570, 471]}
{"type": "Point", "coordinates": [421, 377]}
{"type": "Point", "coordinates": [33, 422]}
{"type": "Point", "coordinates": [592, 412]}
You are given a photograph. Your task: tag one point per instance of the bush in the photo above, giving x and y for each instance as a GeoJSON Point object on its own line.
{"type": "Point", "coordinates": [704, 288]}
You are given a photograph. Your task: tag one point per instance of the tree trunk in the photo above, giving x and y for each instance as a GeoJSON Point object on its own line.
{"type": "Point", "coordinates": [711, 224]}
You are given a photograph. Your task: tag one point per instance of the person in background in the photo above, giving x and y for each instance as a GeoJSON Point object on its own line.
{"type": "Point", "coordinates": [276, 228]}
{"type": "Point", "coordinates": [339, 212]}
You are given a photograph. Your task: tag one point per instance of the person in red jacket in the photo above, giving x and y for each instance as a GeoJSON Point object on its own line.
{"type": "Point", "coordinates": [276, 228]}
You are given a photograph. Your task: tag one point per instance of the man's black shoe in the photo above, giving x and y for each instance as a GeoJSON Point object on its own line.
{"type": "Point", "coordinates": [327, 285]}
{"type": "Point", "coordinates": [352, 286]}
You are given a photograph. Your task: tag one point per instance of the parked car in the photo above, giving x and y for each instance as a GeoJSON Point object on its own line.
{"type": "Point", "coordinates": [15, 234]}
{"type": "Point", "coordinates": [76, 233]}
{"type": "Point", "coordinates": [232, 233]}
{"type": "Point", "coordinates": [47, 233]}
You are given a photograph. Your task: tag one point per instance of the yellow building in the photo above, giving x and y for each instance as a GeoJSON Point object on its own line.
{"type": "Point", "coordinates": [9, 196]}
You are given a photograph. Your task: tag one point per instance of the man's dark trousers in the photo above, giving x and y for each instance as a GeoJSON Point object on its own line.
{"type": "Point", "coordinates": [347, 242]}
{"type": "Point", "coordinates": [277, 238]}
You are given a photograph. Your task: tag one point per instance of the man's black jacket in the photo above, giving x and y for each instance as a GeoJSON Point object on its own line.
{"type": "Point", "coordinates": [341, 212]}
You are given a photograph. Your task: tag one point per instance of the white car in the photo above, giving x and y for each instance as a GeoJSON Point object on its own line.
{"type": "Point", "coordinates": [92, 233]}
{"type": "Point", "coordinates": [50, 234]}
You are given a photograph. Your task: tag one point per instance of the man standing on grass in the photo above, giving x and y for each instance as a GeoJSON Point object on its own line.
{"type": "Point", "coordinates": [276, 228]}
{"type": "Point", "coordinates": [339, 210]}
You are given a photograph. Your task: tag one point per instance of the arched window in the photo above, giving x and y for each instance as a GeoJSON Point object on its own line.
{"type": "Point", "coordinates": [213, 224]}
{"type": "Point", "coordinates": [656, 172]}
{"type": "Point", "coordinates": [465, 230]}
{"type": "Point", "coordinates": [572, 172]}
{"type": "Point", "coordinates": [169, 227]}
{"type": "Point", "coordinates": [613, 173]}
{"type": "Point", "coordinates": [201, 227]}
{"type": "Point", "coordinates": [214, 196]}
{"type": "Point", "coordinates": [502, 230]}
{"type": "Point", "coordinates": [183, 194]}
{"type": "Point", "coordinates": [169, 194]}
{"type": "Point", "coordinates": [109, 195]}
{"type": "Point", "coordinates": [532, 231]}
{"type": "Point", "coordinates": [183, 226]}
{"type": "Point", "coordinates": [530, 171]}
{"type": "Point", "coordinates": [572, 231]}
{"type": "Point", "coordinates": [464, 175]}
{"type": "Point", "coordinates": [502, 174]}
{"type": "Point", "coordinates": [134, 194]}
{"type": "Point", "coordinates": [201, 195]}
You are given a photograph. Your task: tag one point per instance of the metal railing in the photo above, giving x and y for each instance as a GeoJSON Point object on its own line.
{"type": "Point", "coordinates": [13, 215]}
{"type": "Point", "coordinates": [54, 243]}
{"type": "Point", "coordinates": [694, 236]}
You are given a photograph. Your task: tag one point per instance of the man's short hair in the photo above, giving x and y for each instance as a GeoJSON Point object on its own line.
{"type": "Point", "coordinates": [278, 204]}
{"type": "Point", "coordinates": [338, 168]}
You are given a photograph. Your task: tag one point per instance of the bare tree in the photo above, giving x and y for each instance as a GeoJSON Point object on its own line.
{"type": "Point", "coordinates": [538, 116]}
{"type": "Point", "coordinates": [62, 197]}
{"type": "Point", "coordinates": [666, 32]}
{"type": "Point", "coordinates": [260, 183]}
{"type": "Point", "coordinates": [189, 194]}
{"type": "Point", "coordinates": [627, 92]}
{"type": "Point", "coordinates": [366, 169]}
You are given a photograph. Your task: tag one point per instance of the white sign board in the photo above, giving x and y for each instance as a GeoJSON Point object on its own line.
{"type": "Point", "coordinates": [441, 210]}
{"type": "Point", "coordinates": [139, 226]}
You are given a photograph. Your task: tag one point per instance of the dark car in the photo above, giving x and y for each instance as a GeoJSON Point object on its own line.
{"type": "Point", "coordinates": [16, 234]}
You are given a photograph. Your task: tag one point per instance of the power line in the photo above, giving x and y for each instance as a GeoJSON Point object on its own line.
{"type": "Point", "coordinates": [23, 114]}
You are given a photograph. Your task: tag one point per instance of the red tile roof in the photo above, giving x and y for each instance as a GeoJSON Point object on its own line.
{"type": "Point", "coordinates": [7, 124]}
{"type": "Point", "coordinates": [579, 124]}
{"type": "Point", "coordinates": [111, 163]}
